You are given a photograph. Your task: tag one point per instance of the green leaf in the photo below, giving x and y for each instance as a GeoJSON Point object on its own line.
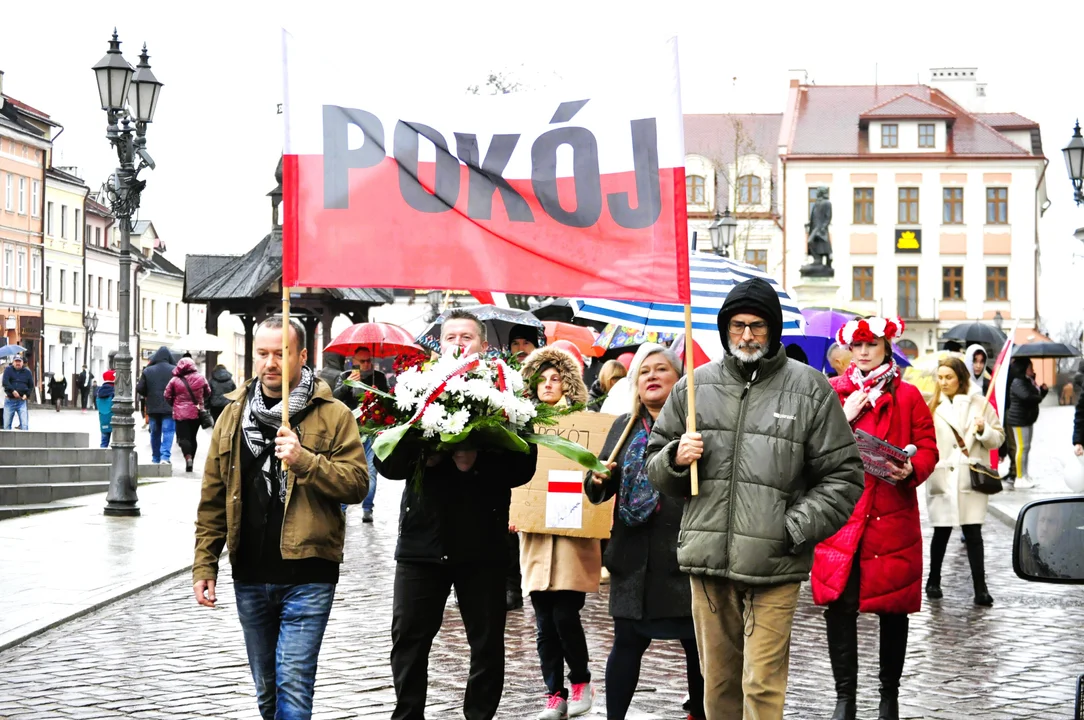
{"type": "Point", "coordinates": [567, 448]}
{"type": "Point", "coordinates": [386, 440]}
{"type": "Point", "coordinates": [503, 438]}
{"type": "Point", "coordinates": [370, 388]}
{"type": "Point", "coordinates": [457, 438]}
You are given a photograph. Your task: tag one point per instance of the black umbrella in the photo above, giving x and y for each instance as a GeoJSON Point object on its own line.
{"type": "Point", "coordinates": [975, 332]}
{"type": "Point", "coordinates": [1045, 349]}
{"type": "Point", "coordinates": [558, 309]}
{"type": "Point", "coordinates": [499, 322]}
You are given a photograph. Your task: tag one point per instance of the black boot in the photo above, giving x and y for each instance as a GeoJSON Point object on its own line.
{"type": "Point", "coordinates": [976, 557]}
{"type": "Point", "coordinates": [893, 651]}
{"type": "Point", "coordinates": [937, 556]}
{"type": "Point", "coordinates": [843, 652]}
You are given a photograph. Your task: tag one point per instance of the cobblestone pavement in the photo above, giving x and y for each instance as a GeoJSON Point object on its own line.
{"type": "Point", "coordinates": [157, 655]}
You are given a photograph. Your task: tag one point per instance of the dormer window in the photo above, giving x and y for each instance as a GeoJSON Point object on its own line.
{"type": "Point", "coordinates": [926, 135]}
{"type": "Point", "coordinates": [749, 190]}
{"type": "Point", "coordinates": [890, 136]}
{"type": "Point", "coordinates": [694, 190]}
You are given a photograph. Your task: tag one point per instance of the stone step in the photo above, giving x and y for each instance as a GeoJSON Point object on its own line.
{"type": "Point", "coordinates": [12, 511]}
{"type": "Point", "coordinates": [19, 510]}
{"type": "Point", "coordinates": [54, 456]}
{"type": "Point", "coordinates": [43, 439]}
{"type": "Point", "coordinates": [37, 493]}
{"type": "Point", "coordinates": [60, 474]}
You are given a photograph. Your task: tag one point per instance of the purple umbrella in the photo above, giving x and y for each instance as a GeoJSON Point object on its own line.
{"type": "Point", "coordinates": [822, 326]}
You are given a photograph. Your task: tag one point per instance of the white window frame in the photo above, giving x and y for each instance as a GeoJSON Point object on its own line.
{"type": "Point", "coordinates": [49, 218]}
{"type": "Point", "coordinates": [35, 272]}
{"type": "Point", "coordinates": [9, 193]}
{"type": "Point", "coordinates": [20, 269]}
{"type": "Point", "coordinates": [48, 283]}
{"type": "Point", "coordinates": [35, 197]}
{"type": "Point", "coordinates": [63, 222]}
{"type": "Point", "coordinates": [75, 287]}
{"type": "Point", "coordinates": [22, 196]}
{"type": "Point", "coordinates": [9, 266]}
{"type": "Point", "coordinates": [62, 285]}
{"type": "Point", "coordinates": [77, 226]}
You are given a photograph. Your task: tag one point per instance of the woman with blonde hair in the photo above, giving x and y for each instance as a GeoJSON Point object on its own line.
{"type": "Point", "coordinates": [611, 372]}
{"type": "Point", "coordinates": [967, 429]}
{"type": "Point", "coordinates": [559, 571]}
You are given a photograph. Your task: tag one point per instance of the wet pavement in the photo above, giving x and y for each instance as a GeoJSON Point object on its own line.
{"type": "Point", "coordinates": [156, 654]}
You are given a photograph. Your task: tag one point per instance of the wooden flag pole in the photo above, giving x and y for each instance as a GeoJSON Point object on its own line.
{"type": "Point", "coordinates": [285, 357]}
{"type": "Point", "coordinates": [690, 367]}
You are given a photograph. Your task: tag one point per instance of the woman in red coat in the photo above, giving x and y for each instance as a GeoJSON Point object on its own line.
{"type": "Point", "coordinates": [874, 563]}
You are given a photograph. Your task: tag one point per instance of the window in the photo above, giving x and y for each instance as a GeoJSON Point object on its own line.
{"type": "Point", "coordinates": [813, 199]}
{"type": "Point", "coordinates": [997, 283]}
{"type": "Point", "coordinates": [90, 290]}
{"type": "Point", "coordinates": [758, 259]}
{"type": "Point", "coordinates": [169, 318]}
{"type": "Point", "coordinates": [152, 313]}
{"type": "Point", "coordinates": [952, 283]}
{"type": "Point", "coordinates": [694, 190]}
{"type": "Point", "coordinates": [953, 208]}
{"type": "Point", "coordinates": [49, 217]}
{"type": "Point", "coordinates": [48, 284]}
{"type": "Point", "coordinates": [100, 283]}
{"type": "Point", "coordinates": [748, 190]}
{"type": "Point", "coordinates": [863, 283]}
{"type": "Point", "coordinates": [908, 206]}
{"type": "Point", "coordinates": [926, 136]}
{"type": "Point", "coordinates": [9, 193]}
{"type": "Point", "coordinates": [22, 196]}
{"type": "Point", "coordinates": [86, 233]}
{"type": "Point", "coordinates": [863, 206]}
{"type": "Point", "coordinates": [177, 318]}
{"type": "Point", "coordinates": [75, 288]}
{"type": "Point", "coordinates": [20, 270]}
{"type": "Point", "coordinates": [62, 286]}
{"type": "Point", "coordinates": [997, 206]}
{"type": "Point", "coordinates": [9, 269]}
{"type": "Point", "coordinates": [907, 302]}
{"type": "Point", "coordinates": [109, 296]}
{"type": "Point", "coordinates": [146, 308]}
{"type": "Point", "coordinates": [35, 273]}
{"type": "Point", "coordinates": [64, 222]}
{"type": "Point", "coordinates": [35, 197]}
{"type": "Point", "coordinates": [890, 136]}
{"type": "Point", "coordinates": [76, 227]}
{"type": "Point", "coordinates": [98, 236]}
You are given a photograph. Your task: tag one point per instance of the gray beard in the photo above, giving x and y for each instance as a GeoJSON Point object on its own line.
{"type": "Point", "coordinates": [745, 355]}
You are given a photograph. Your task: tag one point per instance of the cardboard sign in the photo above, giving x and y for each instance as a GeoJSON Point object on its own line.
{"type": "Point", "coordinates": [553, 503]}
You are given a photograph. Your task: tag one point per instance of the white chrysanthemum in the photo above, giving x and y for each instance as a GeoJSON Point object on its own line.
{"type": "Point", "coordinates": [477, 389]}
{"type": "Point", "coordinates": [404, 400]}
{"type": "Point", "coordinates": [410, 382]}
{"type": "Point", "coordinates": [515, 380]}
{"type": "Point", "coordinates": [877, 326]}
{"type": "Point", "coordinates": [433, 419]}
{"type": "Point", "coordinates": [456, 385]}
{"type": "Point", "coordinates": [456, 422]}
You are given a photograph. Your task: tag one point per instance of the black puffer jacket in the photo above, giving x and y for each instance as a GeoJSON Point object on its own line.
{"type": "Point", "coordinates": [456, 517]}
{"type": "Point", "coordinates": [1024, 409]}
{"type": "Point", "coordinates": [152, 383]}
{"type": "Point", "coordinates": [1078, 421]}
{"type": "Point", "coordinates": [645, 580]}
{"type": "Point", "coordinates": [221, 383]}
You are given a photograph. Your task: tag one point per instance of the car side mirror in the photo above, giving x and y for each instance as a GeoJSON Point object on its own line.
{"type": "Point", "coordinates": [1048, 545]}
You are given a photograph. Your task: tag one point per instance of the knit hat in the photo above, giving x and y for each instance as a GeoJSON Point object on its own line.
{"type": "Point", "coordinates": [109, 376]}
{"type": "Point", "coordinates": [523, 332]}
{"type": "Point", "coordinates": [756, 297]}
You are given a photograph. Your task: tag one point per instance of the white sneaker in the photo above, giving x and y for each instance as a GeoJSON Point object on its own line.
{"type": "Point", "coordinates": [556, 709]}
{"type": "Point", "coordinates": [580, 699]}
{"type": "Point", "coordinates": [165, 462]}
{"type": "Point", "coordinates": [1024, 483]}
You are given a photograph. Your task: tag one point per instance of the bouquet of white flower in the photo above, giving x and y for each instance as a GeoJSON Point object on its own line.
{"type": "Point", "coordinates": [457, 402]}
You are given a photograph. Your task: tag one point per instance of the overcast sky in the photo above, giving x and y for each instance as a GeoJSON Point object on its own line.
{"type": "Point", "coordinates": [217, 137]}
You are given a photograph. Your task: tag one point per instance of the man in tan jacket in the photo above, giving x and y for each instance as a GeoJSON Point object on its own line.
{"type": "Point", "coordinates": [272, 495]}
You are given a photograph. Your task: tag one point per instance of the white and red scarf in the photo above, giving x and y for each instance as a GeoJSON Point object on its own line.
{"type": "Point", "coordinates": [875, 381]}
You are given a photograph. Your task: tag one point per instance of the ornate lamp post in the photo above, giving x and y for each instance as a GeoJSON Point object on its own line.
{"type": "Point", "coordinates": [1074, 163]}
{"type": "Point", "coordinates": [129, 97]}
{"type": "Point", "coordinates": [90, 325]}
{"type": "Point", "coordinates": [722, 232]}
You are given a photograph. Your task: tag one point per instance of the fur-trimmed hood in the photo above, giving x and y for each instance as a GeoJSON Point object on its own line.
{"type": "Point", "coordinates": [569, 370]}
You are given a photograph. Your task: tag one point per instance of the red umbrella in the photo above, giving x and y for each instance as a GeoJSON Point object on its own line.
{"type": "Point", "coordinates": [582, 337]}
{"type": "Point", "coordinates": [381, 339]}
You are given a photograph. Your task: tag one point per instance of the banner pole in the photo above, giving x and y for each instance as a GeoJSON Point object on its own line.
{"type": "Point", "coordinates": [690, 367]}
{"type": "Point", "coordinates": [285, 357]}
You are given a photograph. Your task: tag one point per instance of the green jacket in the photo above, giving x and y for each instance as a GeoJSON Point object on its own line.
{"type": "Point", "coordinates": [780, 471]}
{"type": "Point", "coordinates": [332, 470]}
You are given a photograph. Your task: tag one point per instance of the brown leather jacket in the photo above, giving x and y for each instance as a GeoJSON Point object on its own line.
{"type": "Point", "coordinates": [332, 470]}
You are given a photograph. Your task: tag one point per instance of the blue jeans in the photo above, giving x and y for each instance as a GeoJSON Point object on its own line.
{"type": "Point", "coordinates": [105, 438]}
{"type": "Point", "coordinates": [283, 627]}
{"type": "Point", "coordinates": [11, 409]}
{"type": "Point", "coordinates": [367, 503]}
{"type": "Point", "coordinates": [162, 429]}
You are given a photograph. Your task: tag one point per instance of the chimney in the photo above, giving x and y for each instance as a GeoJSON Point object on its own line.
{"type": "Point", "coordinates": [960, 84]}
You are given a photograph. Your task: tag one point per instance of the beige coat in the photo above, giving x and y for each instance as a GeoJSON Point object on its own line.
{"type": "Point", "coordinates": [949, 496]}
{"type": "Point", "coordinates": [556, 562]}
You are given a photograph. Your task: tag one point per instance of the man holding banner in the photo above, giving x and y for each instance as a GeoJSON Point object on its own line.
{"type": "Point", "coordinates": [780, 472]}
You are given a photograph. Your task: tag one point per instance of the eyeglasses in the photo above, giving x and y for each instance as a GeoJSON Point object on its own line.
{"type": "Point", "coordinates": [758, 328]}
{"type": "Point", "coordinates": [368, 361]}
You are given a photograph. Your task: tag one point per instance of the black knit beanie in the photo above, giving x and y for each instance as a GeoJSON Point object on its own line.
{"type": "Point", "coordinates": [757, 297]}
{"type": "Point", "coordinates": [523, 332]}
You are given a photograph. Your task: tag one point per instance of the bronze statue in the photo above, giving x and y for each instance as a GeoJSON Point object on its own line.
{"type": "Point", "coordinates": [818, 242]}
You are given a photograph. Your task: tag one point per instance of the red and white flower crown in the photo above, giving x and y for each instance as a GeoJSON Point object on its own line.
{"type": "Point", "coordinates": [869, 330]}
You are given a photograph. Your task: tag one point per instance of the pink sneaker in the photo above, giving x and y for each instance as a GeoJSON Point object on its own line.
{"type": "Point", "coordinates": [556, 708]}
{"type": "Point", "coordinates": [580, 699]}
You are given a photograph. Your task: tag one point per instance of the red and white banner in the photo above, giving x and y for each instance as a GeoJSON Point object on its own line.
{"type": "Point", "coordinates": [572, 194]}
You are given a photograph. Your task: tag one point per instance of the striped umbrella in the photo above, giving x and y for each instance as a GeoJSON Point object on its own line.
{"type": "Point", "coordinates": [711, 278]}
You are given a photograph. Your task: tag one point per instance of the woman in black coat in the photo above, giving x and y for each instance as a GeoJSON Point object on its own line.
{"type": "Point", "coordinates": [650, 598]}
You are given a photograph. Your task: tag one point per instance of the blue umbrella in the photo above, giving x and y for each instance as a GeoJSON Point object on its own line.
{"type": "Point", "coordinates": [711, 278]}
{"type": "Point", "coordinates": [9, 350]}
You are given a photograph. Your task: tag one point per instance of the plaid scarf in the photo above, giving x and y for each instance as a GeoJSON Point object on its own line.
{"type": "Point", "coordinates": [256, 413]}
{"type": "Point", "coordinates": [874, 382]}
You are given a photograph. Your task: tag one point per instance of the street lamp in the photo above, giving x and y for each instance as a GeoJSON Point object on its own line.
{"type": "Point", "coordinates": [129, 97]}
{"type": "Point", "coordinates": [722, 232]}
{"type": "Point", "coordinates": [90, 325]}
{"type": "Point", "coordinates": [1074, 163]}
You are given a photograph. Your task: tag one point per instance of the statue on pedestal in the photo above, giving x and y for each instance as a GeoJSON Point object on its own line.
{"type": "Point", "coordinates": [818, 241]}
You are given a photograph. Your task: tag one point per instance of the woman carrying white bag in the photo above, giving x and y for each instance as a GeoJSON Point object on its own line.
{"type": "Point", "coordinates": [967, 429]}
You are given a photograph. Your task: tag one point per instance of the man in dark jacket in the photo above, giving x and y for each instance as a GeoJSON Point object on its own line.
{"type": "Point", "coordinates": [221, 385]}
{"type": "Point", "coordinates": [82, 384]}
{"type": "Point", "coordinates": [1020, 417]}
{"type": "Point", "coordinates": [363, 371]}
{"type": "Point", "coordinates": [452, 528]}
{"type": "Point", "coordinates": [779, 471]}
{"type": "Point", "coordinates": [152, 385]}
{"type": "Point", "coordinates": [1078, 426]}
{"type": "Point", "coordinates": [18, 385]}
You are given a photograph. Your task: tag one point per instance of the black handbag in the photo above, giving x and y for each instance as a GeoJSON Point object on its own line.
{"type": "Point", "coordinates": [983, 479]}
{"type": "Point", "coordinates": [206, 420]}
